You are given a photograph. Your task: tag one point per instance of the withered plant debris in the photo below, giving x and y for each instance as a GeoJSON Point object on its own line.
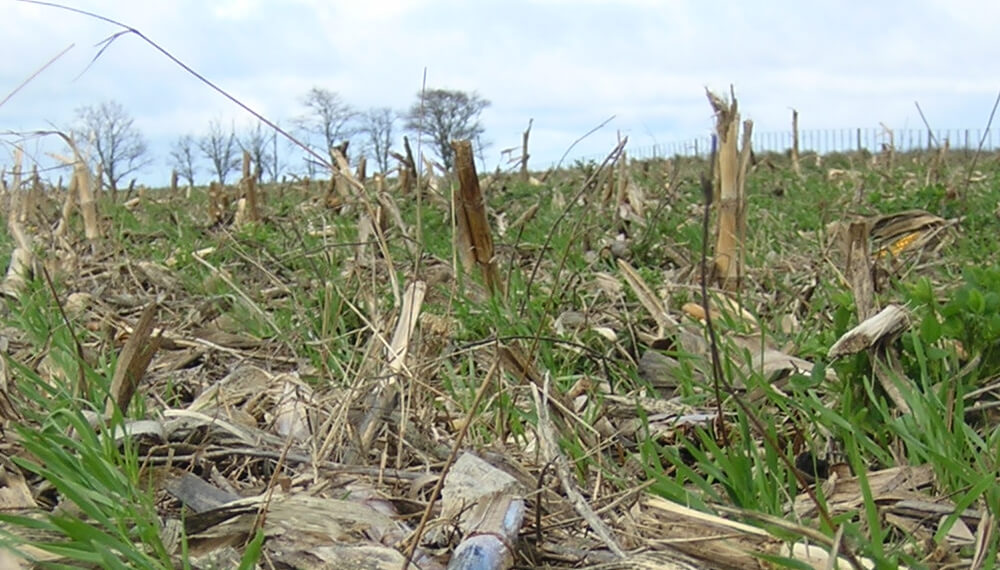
{"type": "Point", "coordinates": [313, 387]}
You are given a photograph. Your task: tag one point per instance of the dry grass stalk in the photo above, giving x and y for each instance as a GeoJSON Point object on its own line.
{"type": "Point", "coordinates": [67, 208]}
{"type": "Point", "coordinates": [474, 241]}
{"type": "Point", "coordinates": [88, 200]}
{"type": "Point", "coordinates": [134, 359]}
{"type": "Point", "coordinates": [732, 164]}
{"type": "Point", "coordinates": [250, 210]}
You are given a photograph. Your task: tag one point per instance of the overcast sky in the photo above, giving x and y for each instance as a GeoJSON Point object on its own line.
{"type": "Point", "coordinates": [568, 65]}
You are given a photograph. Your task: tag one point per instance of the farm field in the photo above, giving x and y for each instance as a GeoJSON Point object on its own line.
{"type": "Point", "coordinates": [335, 383]}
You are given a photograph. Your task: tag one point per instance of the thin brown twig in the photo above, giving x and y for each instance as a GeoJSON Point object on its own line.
{"type": "Point", "coordinates": [585, 135]}
{"type": "Point", "coordinates": [106, 43]}
{"type": "Point", "coordinates": [982, 141]}
{"type": "Point", "coordinates": [37, 72]}
{"type": "Point", "coordinates": [216, 452]}
{"type": "Point", "coordinates": [82, 387]}
{"type": "Point", "coordinates": [419, 237]}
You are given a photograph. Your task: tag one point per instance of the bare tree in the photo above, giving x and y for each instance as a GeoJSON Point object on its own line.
{"type": "Point", "coordinates": [220, 148]}
{"type": "Point", "coordinates": [113, 139]}
{"type": "Point", "coordinates": [328, 117]}
{"type": "Point", "coordinates": [376, 125]}
{"type": "Point", "coordinates": [183, 158]}
{"type": "Point", "coordinates": [443, 115]}
{"type": "Point", "coordinates": [258, 142]}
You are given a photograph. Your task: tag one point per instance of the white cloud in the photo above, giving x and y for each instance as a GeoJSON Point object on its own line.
{"type": "Point", "coordinates": [235, 10]}
{"type": "Point", "coordinates": [568, 65]}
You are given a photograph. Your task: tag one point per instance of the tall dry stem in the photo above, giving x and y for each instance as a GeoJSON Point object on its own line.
{"type": "Point", "coordinates": [473, 238]}
{"type": "Point", "coordinates": [22, 258]}
{"type": "Point", "coordinates": [88, 200]}
{"type": "Point", "coordinates": [732, 163]}
{"type": "Point", "coordinates": [249, 186]}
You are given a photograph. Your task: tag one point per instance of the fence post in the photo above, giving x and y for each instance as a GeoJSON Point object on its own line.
{"type": "Point", "coordinates": [795, 143]}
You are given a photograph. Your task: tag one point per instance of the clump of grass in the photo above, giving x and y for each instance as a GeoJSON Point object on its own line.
{"type": "Point", "coordinates": [99, 511]}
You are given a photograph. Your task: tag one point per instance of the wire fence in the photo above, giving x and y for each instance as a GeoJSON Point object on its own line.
{"type": "Point", "coordinates": [826, 141]}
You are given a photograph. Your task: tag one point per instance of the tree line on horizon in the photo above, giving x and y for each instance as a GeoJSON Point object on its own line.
{"type": "Point", "coordinates": [437, 116]}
